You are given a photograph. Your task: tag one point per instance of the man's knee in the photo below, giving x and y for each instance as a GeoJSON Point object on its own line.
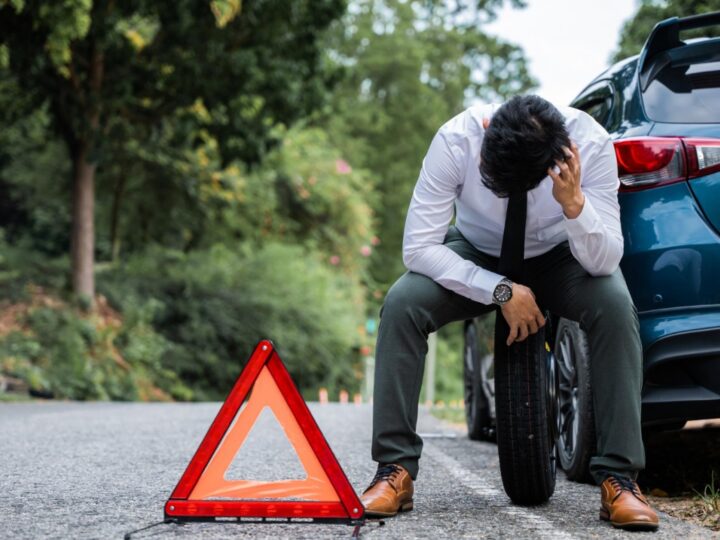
{"type": "Point", "coordinates": [408, 295]}
{"type": "Point", "coordinates": [611, 302]}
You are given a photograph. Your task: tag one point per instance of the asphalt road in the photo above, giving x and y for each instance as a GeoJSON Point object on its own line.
{"type": "Point", "coordinates": [99, 470]}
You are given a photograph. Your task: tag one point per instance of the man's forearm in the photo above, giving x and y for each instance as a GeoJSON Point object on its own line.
{"type": "Point", "coordinates": [597, 247]}
{"type": "Point", "coordinates": [572, 209]}
{"type": "Point", "coordinates": [447, 268]}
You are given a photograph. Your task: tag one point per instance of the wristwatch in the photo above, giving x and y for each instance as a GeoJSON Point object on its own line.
{"type": "Point", "coordinates": [503, 292]}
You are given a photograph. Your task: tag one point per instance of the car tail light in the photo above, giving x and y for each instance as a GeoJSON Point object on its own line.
{"type": "Point", "coordinates": [646, 162]}
{"type": "Point", "coordinates": [703, 156]}
{"type": "Point", "coordinates": [649, 161]}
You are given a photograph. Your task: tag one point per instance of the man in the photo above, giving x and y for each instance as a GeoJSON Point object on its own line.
{"type": "Point", "coordinates": [565, 163]}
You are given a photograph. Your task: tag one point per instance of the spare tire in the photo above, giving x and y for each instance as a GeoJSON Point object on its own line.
{"type": "Point", "coordinates": [525, 385]}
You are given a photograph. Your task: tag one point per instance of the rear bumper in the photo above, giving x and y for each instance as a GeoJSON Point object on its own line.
{"type": "Point", "coordinates": [666, 404]}
{"type": "Point", "coordinates": [682, 376]}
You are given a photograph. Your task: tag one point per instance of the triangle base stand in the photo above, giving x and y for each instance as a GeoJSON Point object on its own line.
{"type": "Point", "coordinates": [128, 536]}
{"type": "Point", "coordinates": [251, 508]}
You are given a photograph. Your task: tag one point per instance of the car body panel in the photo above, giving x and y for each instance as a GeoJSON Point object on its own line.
{"type": "Point", "coordinates": [707, 192]}
{"type": "Point", "coordinates": [658, 324]}
{"type": "Point", "coordinates": [684, 130]}
{"type": "Point", "coordinates": [671, 256]}
{"type": "Point", "coordinates": [671, 259]}
{"type": "Point", "coordinates": [706, 189]}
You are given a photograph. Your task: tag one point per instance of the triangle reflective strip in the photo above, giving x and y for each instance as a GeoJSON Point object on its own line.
{"type": "Point", "coordinates": [212, 483]}
{"type": "Point", "coordinates": [203, 492]}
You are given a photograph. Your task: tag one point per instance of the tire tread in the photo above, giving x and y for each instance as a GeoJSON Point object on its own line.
{"type": "Point", "coordinates": [524, 446]}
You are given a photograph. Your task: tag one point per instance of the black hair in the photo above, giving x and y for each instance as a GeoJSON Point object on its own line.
{"type": "Point", "coordinates": [525, 136]}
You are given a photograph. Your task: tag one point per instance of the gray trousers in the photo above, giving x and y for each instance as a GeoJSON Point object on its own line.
{"type": "Point", "coordinates": [416, 306]}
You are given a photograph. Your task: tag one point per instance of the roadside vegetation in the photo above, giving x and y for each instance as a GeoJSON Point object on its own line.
{"type": "Point", "coordinates": [683, 472]}
{"type": "Point", "coordinates": [181, 179]}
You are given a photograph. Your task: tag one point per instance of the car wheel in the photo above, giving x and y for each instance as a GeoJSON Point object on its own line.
{"type": "Point", "coordinates": [576, 421]}
{"type": "Point", "coordinates": [525, 402]}
{"type": "Point", "coordinates": [479, 383]}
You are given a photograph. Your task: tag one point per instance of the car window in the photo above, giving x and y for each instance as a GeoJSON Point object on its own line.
{"type": "Point", "coordinates": [597, 101]}
{"type": "Point", "coordinates": [599, 109]}
{"type": "Point", "coordinates": [685, 93]}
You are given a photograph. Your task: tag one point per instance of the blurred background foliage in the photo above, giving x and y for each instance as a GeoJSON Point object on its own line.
{"type": "Point", "coordinates": [228, 171]}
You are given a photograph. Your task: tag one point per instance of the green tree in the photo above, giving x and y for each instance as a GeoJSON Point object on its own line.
{"type": "Point", "coordinates": [409, 66]}
{"type": "Point", "coordinates": [320, 200]}
{"type": "Point", "coordinates": [636, 30]}
{"type": "Point", "coordinates": [303, 193]}
{"type": "Point", "coordinates": [34, 178]}
{"type": "Point", "coordinates": [106, 69]}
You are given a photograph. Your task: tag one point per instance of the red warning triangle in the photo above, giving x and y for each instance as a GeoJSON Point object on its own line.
{"type": "Point", "coordinates": [204, 492]}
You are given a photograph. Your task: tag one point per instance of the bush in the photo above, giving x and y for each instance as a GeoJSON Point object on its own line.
{"type": "Point", "coordinates": [20, 265]}
{"type": "Point", "coordinates": [63, 353]}
{"type": "Point", "coordinates": [213, 306]}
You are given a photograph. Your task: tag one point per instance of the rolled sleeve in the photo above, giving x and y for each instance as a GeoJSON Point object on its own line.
{"type": "Point", "coordinates": [595, 235]}
{"type": "Point", "coordinates": [429, 215]}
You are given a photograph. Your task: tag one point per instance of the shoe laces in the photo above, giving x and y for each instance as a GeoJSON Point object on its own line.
{"type": "Point", "coordinates": [385, 472]}
{"type": "Point", "coordinates": [623, 483]}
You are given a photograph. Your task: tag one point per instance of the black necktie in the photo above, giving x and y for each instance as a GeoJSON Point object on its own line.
{"type": "Point", "coordinates": [511, 265]}
{"type": "Point", "coordinates": [512, 253]}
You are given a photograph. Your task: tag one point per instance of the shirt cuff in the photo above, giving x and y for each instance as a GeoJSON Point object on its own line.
{"type": "Point", "coordinates": [483, 284]}
{"type": "Point", "coordinates": [585, 221]}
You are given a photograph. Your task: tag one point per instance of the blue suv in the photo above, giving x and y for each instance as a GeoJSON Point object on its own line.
{"type": "Point", "coordinates": [662, 108]}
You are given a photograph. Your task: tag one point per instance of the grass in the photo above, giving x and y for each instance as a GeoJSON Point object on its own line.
{"type": "Point", "coordinates": [454, 415]}
{"type": "Point", "coordinates": [710, 501]}
{"type": "Point", "coordinates": [13, 398]}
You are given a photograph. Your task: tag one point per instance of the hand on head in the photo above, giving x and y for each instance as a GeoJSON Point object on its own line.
{"type": "Point", "coordinates": [566, 182]}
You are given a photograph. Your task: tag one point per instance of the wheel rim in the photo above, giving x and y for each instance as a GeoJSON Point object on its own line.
{"type": "Point", "coordinates": [569, 421]}
{"type": "Point", "coordinates": [553, 416]}
{"type": "Point", "coordinates": [479, 386]}
{"type": "Point", "coordinates": [488, 383]}
{"type": "Point", "coordinates": [469, 378]}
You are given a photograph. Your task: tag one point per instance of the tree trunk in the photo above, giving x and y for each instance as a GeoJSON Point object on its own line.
{"type": "Point", "coordinates": [115, 217]}
{"type": "Point", "coordinates": [83, 228]}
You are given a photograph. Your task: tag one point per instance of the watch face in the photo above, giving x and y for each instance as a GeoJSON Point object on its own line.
{"type": "Point", "coordinates": [503, 293]}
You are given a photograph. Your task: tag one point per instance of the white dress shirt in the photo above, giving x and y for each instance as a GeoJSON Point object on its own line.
{"type": "Point", "coordinates": [450, 181]}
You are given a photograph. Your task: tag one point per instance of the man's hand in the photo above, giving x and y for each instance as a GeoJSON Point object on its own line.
{"type": "Point", "coordinates": [566, 182]}
{"type": "Point", "coordinates": [522, 314]}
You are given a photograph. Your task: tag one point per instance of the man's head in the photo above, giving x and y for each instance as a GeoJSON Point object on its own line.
{"type": "Point", "coordinates": [524, 138]}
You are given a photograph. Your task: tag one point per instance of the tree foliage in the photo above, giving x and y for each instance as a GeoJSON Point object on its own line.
{"type": "Point", "coordinates": [249, 166]}
{"type": "Point", "coordinates": [407, 68]}
{"type": "Point", "coordinates": [111, 70]}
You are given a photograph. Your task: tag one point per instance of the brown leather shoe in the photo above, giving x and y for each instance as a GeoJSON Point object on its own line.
{"type": "Point", "coordinates": [624, 505]}
{"type": "Point", "coordinates": [390, 492]}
